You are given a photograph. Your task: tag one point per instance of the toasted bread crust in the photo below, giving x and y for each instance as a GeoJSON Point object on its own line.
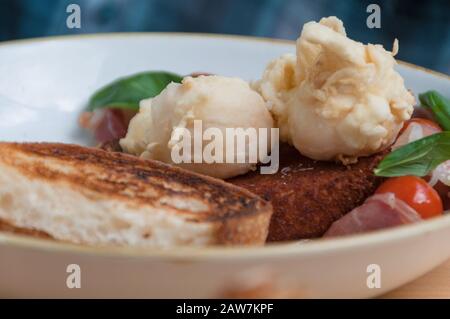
{"type": "Point", "coordinates": [7, 227]}
{"type": "Point", "coordinates": [100, 174]}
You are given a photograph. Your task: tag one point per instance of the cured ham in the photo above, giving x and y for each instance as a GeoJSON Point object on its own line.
{"type": "Point", "coordinates": [415, 131]}
{"type": "Point", "coordinates": [444, 192]}
{"type": "Point", "coordinates": [107, 124]}
{"type": "Point", "coordinates": [440, 180]}
{"type": "Point", "coordinates": [378, 212]}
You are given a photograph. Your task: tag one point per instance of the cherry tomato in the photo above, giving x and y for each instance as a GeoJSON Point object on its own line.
{"type": "Point", "coordinates": [430, 125]}
{"type": "Point", "coordinates": [415, 192]}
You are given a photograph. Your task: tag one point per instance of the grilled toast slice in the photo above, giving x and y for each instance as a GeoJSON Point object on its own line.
{"type": "Point", "coordinates": [90, 196]}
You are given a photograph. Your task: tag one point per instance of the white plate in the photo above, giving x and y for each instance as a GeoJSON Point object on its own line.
{"type": "Point", "coordinates": [45, 83]}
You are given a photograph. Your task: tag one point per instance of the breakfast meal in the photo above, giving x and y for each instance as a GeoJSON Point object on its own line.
{"type": "Point", "coordinates": [328, 142]}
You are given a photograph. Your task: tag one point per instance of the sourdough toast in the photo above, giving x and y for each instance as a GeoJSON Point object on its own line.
{"type": "Point", "coordinates": [90, 196]}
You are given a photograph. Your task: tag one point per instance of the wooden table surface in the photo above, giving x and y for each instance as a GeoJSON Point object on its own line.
{"type": "Point", "coordinates": [435, 284]}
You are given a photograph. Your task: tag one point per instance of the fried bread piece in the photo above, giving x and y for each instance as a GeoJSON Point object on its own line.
{"type": "Point", "coordinates": [308, 196]}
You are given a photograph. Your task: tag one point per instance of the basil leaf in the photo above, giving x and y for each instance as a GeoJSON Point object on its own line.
{"type": "Point", "coordinates": [439, 105]}
{"type": "Point", "coordinates": [127, 92]}
{"type": "Point", "coordinates": [417, 158]}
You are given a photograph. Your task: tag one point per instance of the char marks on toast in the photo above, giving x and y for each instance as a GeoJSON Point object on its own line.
{"type": "Point", "coordinates": [225, 214]}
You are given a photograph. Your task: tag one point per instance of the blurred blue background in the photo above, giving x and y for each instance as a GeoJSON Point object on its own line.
{"type": "Point", "coordinates": [422, 26]}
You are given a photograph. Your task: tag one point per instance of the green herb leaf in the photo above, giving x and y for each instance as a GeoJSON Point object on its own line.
{"type": "Point", "coordinates": [439, 105]}
{"type": "Point", "coordinates": [127, 92]}
{"type": "Point", "coordinates": [417, 158]}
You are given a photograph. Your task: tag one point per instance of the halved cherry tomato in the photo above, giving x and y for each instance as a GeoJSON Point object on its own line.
{"type": "Point", "coordinates": [424, 122]}
{"type": "Point", "coordinates": [415, 192]}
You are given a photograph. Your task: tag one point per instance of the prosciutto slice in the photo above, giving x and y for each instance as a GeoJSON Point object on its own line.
{"type": "Point", "coordinates": [444, 191]}
{"type": "Point", "coordinates": [414, 132]}
{"type": "Point", "coordinates": [378, 212]}
{"type": "Point", "coordinates": [107, 124]}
